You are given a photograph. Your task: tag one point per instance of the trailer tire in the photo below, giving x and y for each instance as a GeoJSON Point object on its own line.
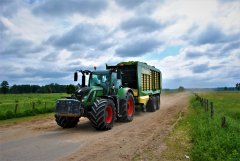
{"type": "Point", "coordinates": [151, 104]}
{"type": "Point", "coordinates": [66, 122]}
{"type": "Point", "coordinates": [102, 114]}
{"type": "Point", "coordinates": [128, 109]}
{"type": "Point", "coordinates": [158, 102]}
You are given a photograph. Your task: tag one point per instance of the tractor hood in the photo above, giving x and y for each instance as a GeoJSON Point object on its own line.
{"type": "Point", "coordinates": [81, 92]}
{"type": "Point", "coordinates": [87, 93]}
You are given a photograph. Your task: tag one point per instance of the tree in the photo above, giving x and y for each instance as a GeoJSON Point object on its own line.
{"type": "Point", "coordinates": [181, 89]}
{"type": "Point", "coordinates": [70, 89]}
{"type": "Point", "coordinates": [4, 87]}
{"type": "Point", "coordinates": [238, 86]}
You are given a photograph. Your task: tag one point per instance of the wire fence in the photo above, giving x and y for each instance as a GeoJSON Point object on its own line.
{"type": "Point", "coordinates": [21, 109]}
{"type": "Point", "coordinates": [209, 107]}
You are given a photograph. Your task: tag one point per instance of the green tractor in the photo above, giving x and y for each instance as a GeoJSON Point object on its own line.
{"type": "Point", "coordinates": [109, 95]}
{"type": "Point", "coordinates": [102, 101]}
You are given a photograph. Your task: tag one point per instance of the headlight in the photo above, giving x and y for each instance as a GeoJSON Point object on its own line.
{"type": "Point", "coordinates": [83, 99]}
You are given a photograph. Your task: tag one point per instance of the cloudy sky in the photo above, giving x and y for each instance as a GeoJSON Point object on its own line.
{"type": "Point", "coordinates": [195, 43]}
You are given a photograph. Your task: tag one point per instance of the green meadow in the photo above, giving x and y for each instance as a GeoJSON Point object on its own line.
{"type": "Point", "coordinates": [210, 140]}
{"type": "Point", "coordinates": [19, 105]}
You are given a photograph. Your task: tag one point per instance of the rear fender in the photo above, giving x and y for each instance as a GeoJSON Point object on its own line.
{"type": "Point", "coordinates": [122, 93]}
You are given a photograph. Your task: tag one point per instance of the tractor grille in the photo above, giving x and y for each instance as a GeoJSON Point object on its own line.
{"type": "Point", "coordinates": [68, 106]}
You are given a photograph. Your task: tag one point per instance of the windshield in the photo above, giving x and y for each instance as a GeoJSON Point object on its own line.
{"type": "Point", "coordinates": [99, 79]}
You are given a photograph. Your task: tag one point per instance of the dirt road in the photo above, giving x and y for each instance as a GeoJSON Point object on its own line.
{"type": "Point", "coordinates": [42, 139]}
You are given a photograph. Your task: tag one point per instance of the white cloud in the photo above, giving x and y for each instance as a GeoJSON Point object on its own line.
{"type": "Point", "coordinates": [46, 36]}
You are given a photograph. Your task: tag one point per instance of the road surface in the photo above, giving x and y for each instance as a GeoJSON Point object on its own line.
{"type": "Point", "coordinates": [41, 139]}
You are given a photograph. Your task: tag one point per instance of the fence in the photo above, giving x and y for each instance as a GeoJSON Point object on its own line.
{"type": "Point", "coordinates": [209, 106]}
{"type": "Point", "coordinates": [20, 109]}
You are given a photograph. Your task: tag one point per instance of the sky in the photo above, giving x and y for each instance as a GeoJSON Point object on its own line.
{"type": "Point", "coordinates": [195, 43]}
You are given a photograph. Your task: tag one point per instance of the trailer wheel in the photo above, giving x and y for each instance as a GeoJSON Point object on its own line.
{"type": "Point", "coordinates": [158, 101]}
{"type": "Point", "coordinates": [66, 122]}
{"type": "Point", "coordinates": [102, 114]}
{"type": "Point", "coordinates": [151, 104]}
{"type": "Point", "coordinates": [128, 108]}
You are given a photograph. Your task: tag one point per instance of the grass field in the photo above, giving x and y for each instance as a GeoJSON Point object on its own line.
{"type": "Point", "coordinates": [211, 141]}
{"type": "Point", "coordinates": [201, 137]}
{"type": "Point", "coordinates": [27, 104]}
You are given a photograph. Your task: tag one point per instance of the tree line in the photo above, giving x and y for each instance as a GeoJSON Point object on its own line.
{"type": "Point", "coordinates": [27, 88]}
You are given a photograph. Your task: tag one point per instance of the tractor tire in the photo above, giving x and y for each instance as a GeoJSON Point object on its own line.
{"type": "Point", "coordinates": [102, 114]}
{"type": "Point", "coordinates": [158, 102]}
{"type": "Point", "coordinates": [128, 109]}
{"type": "Point", "coordinates": [151, 104]}
{"type": "Point", "coordinates": [66, 122]}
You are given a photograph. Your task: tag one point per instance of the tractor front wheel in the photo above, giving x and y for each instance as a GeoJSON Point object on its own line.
{"type": "Point", "coordinates": [102, 114]}
{"type": "Point", "coordinates": [66, 122]}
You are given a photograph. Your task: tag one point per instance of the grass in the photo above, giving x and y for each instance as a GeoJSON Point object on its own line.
{"type": "Point", "coordinates": [201, 137]}
{"type": "Point", "coordinates": [178, 143]}
{"type": "Point", "coordinates": [210, 141]}
{"type": "Point", "coordinates": [43, 103]}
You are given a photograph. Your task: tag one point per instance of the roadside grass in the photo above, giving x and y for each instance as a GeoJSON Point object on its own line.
{"type": "Point", "coordinates": [210, 141]}
{"type": "Point", "coordinates": [200, 137]}
{"type": "Point", "coordinates": [178, 143]}
{"type": "Point", "coordinates": [27, 104]}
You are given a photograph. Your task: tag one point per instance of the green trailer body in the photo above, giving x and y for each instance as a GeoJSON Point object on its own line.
{"type": "Point", "coordinates": [144, 80]}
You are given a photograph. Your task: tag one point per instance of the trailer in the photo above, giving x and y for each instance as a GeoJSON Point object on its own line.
{"type": "Point", "coordinates": [144, 80]}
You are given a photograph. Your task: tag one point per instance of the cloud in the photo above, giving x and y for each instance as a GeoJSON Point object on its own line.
{"type": "Point", "coordinates": [137, 47]}
{"type": "Point", "coordinates": [44, 41]}
{"type": "Point", "coordinates": [129, 4]}
{"type": "Point", "coordinates": [142, 24]}
{"type": "Point", "coordinates": [80, 37]}
{"type": "Point", "coordinates": [231, 46]}
{"type": "Point", "coordinates": [2, 27]}
{"type": "Point", "coordinates": [212, 34]}
{"type": "Point", "coordinates": [19, 47]}
{"type": "Point", "coordinates": [193, 54]}
{"type": "Point", "coordinates": [44, 73]}
{"type": "Point", "coordinates": [9, 8]}
{"type": "Point", "coordinates": [55, 8]}
{"type": "Point", "coordinates": [200, 68]}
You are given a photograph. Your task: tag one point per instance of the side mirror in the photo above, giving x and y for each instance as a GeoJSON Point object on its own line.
{"type": "Point", "coordinates": [75, 76]}
{"type": "Point", "coordinates": [119, 74]}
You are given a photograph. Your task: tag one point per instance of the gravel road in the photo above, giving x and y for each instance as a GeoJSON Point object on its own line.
{"type": "Point", "coordinates": [41, 139]}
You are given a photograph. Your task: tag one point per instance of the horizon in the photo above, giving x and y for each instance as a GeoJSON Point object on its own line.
{"type": "Point", "coordinates": [195, 44]}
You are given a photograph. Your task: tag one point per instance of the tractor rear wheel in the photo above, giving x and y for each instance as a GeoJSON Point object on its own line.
{"type": "Point", "coordinates": [151, 104]}
{"type": "Point", "coordinates": [66, 122]}
{"type": "Point", "coordinates": [102, 114]}
{"type": "Point", "coordinates": [128, 109]}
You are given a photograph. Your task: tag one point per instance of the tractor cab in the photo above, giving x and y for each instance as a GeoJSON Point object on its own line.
{"type": "Point", "coordinates": [108, 80]}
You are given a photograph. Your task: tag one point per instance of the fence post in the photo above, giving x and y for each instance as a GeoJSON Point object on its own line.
{"type": "Point", "coordinates": [16, 107]}
{"type": "Point", "coordinates": [223, 121]}
{"type": "Point", "coordinates": [207, 104]}
{"type": "Point", "coordinates": [212, 109]}
{"type": "Point", "coordinates": [201, 101]}
{"type": "Point", "coordinates": [33, 105]}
